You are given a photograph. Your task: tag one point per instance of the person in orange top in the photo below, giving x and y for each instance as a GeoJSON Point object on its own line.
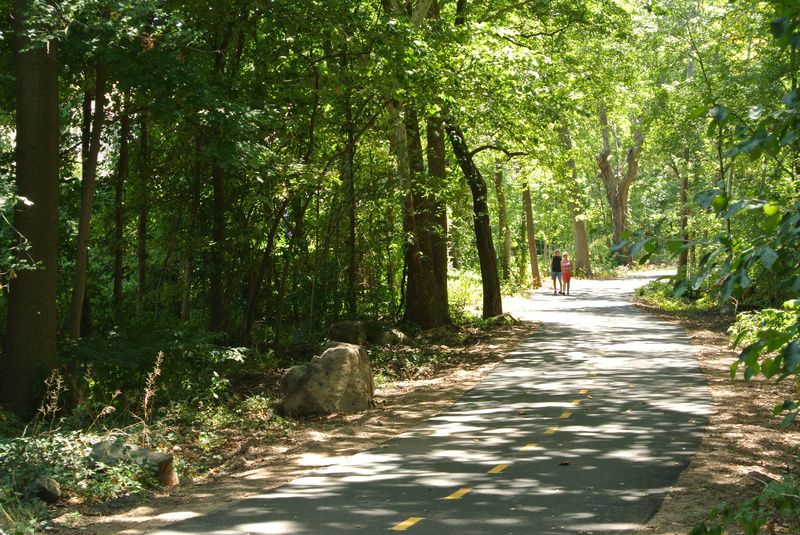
{"type": "Point", "coordinates": [566, 271]}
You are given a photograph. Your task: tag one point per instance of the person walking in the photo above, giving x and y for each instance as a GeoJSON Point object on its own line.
{"type": "Point", "coordinates": [555, 273]}
{"type": "Point", "coordinates": [566, 272]}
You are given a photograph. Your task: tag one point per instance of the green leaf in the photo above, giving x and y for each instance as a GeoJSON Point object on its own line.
{"type": "Point", "coordinates": [767, 256]}
{"type": "Point", "coordinates": [719, 113]}
{"type": "Point", "coordinates": [791, 356]}
{"type": "Point", "coordinates": [787, 421]}
{"type": "Point", "coordinates": [780, 26]}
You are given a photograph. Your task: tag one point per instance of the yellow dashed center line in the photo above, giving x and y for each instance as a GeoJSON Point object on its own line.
{"type": "Point", "coordinates": [551, 430]}
{"type": "Point", "coordinates": [528, 447]}
{"type": "Point", "coordinates": [565, 415]}
{"type": "Point", "coordinates": [405, 524]}
{"type": "Point", "coordinates": [576, 402]}
{"type": "Point", "coordinates": [497, 469]}
{"type": "Point", "coordinates": [459, 493]}
{"type": "Point", "coordinates": [584, 392]}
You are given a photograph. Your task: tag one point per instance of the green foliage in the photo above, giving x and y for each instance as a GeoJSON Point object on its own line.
{"type": "Point", "coordinates": [662, 294]}
{"type": "Point", "coordinates": [64, 456]}
{"type": "Point", "coordinates": [777, 504]}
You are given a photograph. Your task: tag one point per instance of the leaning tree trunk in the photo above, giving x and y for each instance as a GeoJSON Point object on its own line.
{"type": "Point", "coordinates": [618, 183]}
{"type": "Point", "coordinates": [492, 300]}
{"type": "Point", "coordinates": [575, 204]}
{"type": "Point", "coordinates": [504, 232]}
{"type": "Point", "coordinates": [536, 278]}
{"type": "Point", "coordinates": [88, 186]}
{"type": "Point", "coordinates": [29, 350]}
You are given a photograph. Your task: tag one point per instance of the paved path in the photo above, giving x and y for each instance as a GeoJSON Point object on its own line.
{"type": "Point", "coordinates": [582, 429]}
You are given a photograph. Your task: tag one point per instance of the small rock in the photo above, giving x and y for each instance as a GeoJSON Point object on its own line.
{"type": "Point", "coordinates": [392, 337]}
{"type": "Point", "coordinates": [45, 488]}
{"type": "Point", "coordinates": [112, 452]}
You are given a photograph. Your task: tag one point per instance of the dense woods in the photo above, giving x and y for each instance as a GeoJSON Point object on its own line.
{"type": "Point", "coordinates": [221, 180]}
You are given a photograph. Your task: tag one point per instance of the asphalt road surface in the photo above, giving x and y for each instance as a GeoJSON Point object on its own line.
{"type": "Point", "coordinates": [582, 429]}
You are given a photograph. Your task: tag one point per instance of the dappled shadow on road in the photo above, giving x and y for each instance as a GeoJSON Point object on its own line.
{"type": "Point", "coordinates": [585, 426]}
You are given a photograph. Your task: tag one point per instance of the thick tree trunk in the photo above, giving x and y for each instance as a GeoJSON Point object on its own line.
{"type": "Point", "coordinates": [536, 278]}
{"type": "Point", "coordinates": [29, 350]}
{"type": "Point", "coordinates": [492, 300]}
{"type": "Point", "coordinates": [426, 253]}
{"type": "Point", "coordinates": [143, 201]}
{"type": "Point", "coordinates": [504, 233]}
{"type": "Point", "coordinates": [88, 186]}
{"type": "Point", "coordinates": [618, 182]}
{"type": "Point", "coordinates": [217, 297]}
{"type": "Point", "coordinates": [437, 217]}
{"type": "Point", "coordinates": [119, 213]}
{"type": "Point", "coordinates": [583, 264]}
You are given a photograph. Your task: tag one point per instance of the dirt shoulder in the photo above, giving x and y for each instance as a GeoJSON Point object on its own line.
{"type": "Point", "coordinates": [743, 447]}
{"type": "Point", "coordinates": [254, 466]}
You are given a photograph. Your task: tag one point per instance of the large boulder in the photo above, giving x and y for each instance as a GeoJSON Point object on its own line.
{"type": "Point", "coordinates": [349, 332]}
{"type": "Point", "coordinates": [338, 380]}
{"type": "Point", "coordinates": [161, 465]}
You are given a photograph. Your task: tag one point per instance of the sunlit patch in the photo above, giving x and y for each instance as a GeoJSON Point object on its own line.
{"type": "Point", "coordinates": [177, 515]}
{"type": "Point", "coordinates": [551, 430]}
{"type": "Point", "coordinates": [275, 526]}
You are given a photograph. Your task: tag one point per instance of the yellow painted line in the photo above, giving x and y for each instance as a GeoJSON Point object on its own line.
{"type": "Point", "coordinates": [497, 469]}
{"type": "Point", "coordinates": [565, 415]}
{"type": "Point", "coordinates": [551, 430]}
{"type": "Point", "coordinates": [459, 493]}
{"type": "Point", "coordinates": [528, 447]}
{"type": "Point", "coordinates": [405, 524]}
{"type": "Point", "coordinates": [576, 402]}
{"type": "Point", "coordinates": [584, 391]}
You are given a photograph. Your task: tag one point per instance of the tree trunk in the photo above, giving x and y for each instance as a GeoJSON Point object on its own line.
{"type": "Point", "coordinates": [504, 233]}
{"type": "Point", "coordinates": [194, 211]}
{"type": "Point", "coordinates": [88, 186]}
{"type": "Point", "coordinates": [217, 297]}
{"type": "Point", "coordinates": [683, 257]}
{"type": "Point", "coordinates": [492, 300]}
{"type": "Point", "coordinates": [618, 181]}
{"type": "Point", "coordinates": [583, 264]}
{"type": "Point", "coordinates": [437, 218]}
{"type": "Point", "coordinates": [426, 261]}
{"type": "Point", "coordinates": [30, 342]}
{"type": "Point", "coordinates": [536, 278]}
{"type": "Point", "coordinates": [348, 181]}
{"type": "Point", "coordinates": [263, 268]}
{"type": "Point", "coordinates": [119, 213]}
{"type": "Point", "coordinates": [141, 227]}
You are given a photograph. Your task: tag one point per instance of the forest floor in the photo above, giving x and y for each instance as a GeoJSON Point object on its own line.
{"type": "Point", "coordinates": [253, 466]}
{"type": "Point", "coordinates": [742, 448]}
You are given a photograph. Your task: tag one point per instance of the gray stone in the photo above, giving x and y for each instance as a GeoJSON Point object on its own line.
{"type": "Point", "coordinates": [349, 332]}
{"type": "Point", "coordinates": [161, 465]}
{"type": "Point", "coordinates": [339, 380]}
{"type": "Point", "coordinates": [45, 488]}
{"type": "Point", "coordinates": [392, 337]}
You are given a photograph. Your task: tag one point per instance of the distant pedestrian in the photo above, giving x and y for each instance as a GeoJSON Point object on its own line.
{"type": "Point", "coordinates": [566, 272]}
{"type": "Point", "coordinates": [555, 273]}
